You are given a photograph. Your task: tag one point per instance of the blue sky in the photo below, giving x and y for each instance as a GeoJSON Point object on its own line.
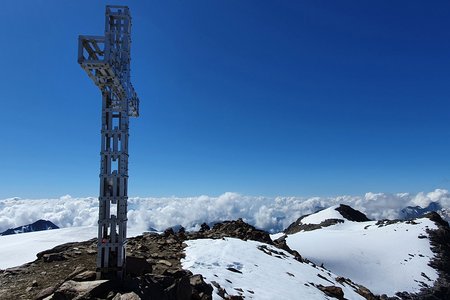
{"type": "Point", "coordinates": [256, 97]}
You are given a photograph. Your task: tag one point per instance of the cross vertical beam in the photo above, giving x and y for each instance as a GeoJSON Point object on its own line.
{"type": "Point", "coordinates": [106, 60]}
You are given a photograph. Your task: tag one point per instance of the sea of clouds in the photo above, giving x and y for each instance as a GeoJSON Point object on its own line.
{"type": "Point", "coordinates": [268, 213]}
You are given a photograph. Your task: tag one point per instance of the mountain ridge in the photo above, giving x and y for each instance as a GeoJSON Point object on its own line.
{"type": "Point", "coordinates": [39, 225]}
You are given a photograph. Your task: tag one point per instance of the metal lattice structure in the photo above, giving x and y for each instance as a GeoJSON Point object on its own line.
{"type": "Point", "coordinates": [106, 59]}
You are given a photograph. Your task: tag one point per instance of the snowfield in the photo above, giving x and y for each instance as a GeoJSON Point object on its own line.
{"type": "Point", "coordinates": [386, 259]}
{"type": "Point", "coordinates": [256, 272]}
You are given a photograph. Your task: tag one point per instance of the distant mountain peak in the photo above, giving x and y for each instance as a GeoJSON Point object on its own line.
{"type": "Point", "coordinates": [412, 212]}
{"type": "Point", "coordinates": [326, 217]}
{"type": "Point", "coordinates": [39, 225]}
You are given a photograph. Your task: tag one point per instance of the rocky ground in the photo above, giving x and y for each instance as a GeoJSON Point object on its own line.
{"type": "Point", "coordinates": [154, 269]}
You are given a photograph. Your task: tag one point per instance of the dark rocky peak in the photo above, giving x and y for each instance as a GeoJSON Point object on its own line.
{"type": "Point", "coordinates": [436, 218]}
{"type": "Point", "coordinates": [39, 225]}
{"type": "Point", "coordinates": [237, 229]}
{"type": "Point", "coordinates": [352, 214]}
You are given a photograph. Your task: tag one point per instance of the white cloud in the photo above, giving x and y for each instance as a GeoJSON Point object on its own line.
{"type": "Point", "coordinates": [273, 214]}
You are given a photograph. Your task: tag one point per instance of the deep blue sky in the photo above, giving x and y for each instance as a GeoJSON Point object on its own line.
{"type": "Point", "coordinates": [257, 97]}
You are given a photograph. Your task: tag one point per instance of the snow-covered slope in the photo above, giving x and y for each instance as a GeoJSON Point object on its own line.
{"type": "Point", "coordinates": [319, 217]}
{"type": "Point", "coordinates": [385, 257]}
{"type": "Point", "coordinates": [258, 271]}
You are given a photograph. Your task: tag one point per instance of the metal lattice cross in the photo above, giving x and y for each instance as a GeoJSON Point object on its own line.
{"type": "Point", "coordinates": [106, 59]}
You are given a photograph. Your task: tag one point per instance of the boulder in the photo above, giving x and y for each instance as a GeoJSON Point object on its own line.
{"type": "Point", "coordinates": [82, 290]}
{"type": "Point", "coordinates": [204, 227]}
{"type": "Point", "coordinates": [137, 266]}
{"type": "Point", "coordinates": [85, 276]}
{"type": "Point", "coordinates": [53, 257]}
{"type": "Point", "coordinates": [78, 270]}
{"type": "Point", "coordinates": [201, 289]}
{"type": "Point", "coordinates": [127, 296]}
{"type": "Point", "coordinates": [332, 291]}
{"type": "Point", "coordinates": [150, 286]}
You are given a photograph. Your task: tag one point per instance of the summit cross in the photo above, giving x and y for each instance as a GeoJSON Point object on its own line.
{"type": "Point", "coordinates": [106, 60]}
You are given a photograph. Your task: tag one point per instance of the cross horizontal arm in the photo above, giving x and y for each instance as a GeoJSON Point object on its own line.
{"type": "Point", "coordinates": [94, 58]}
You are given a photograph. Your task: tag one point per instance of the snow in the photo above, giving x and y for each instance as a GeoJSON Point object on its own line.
{"type": "Point", "coordinates": [17, 249]}
{"type": "Point", "coordinates": [319, 217]}
{"type": "Point", "coordinates": [385, 259]}
{"type": "Point", "coordinates": [261, 276]}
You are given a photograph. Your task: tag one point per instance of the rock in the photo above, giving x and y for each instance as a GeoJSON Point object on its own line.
{"type": "Point", "coordinates": [91, 251]}
{"type": "Point", "coordinates": [164, 262]}
{"type": "Point", "coordinates": [14, 271]}
{"type": "Point", "coordinates": [45, 292]}
{"type": "Point", "coordinates": [238, 229]}
{"type": "Point", "coordinates": [281, 243]}
{"type": "Point", "coordinates": [85, 276]}
{"type": "Point", "coordinates": [57, 249]}
{"type": "Point", "coordinates": [366, 293]}
{"type": "Point", "coordinates": [137, 266]}
{"type": "Point", "coordinates": [53, 257]}
{"type": "Point", "coordinates": [352, 214]}
{"type": "Point", "coordinates": [150, 286]}
{"type": "Point", "coordinates": [332, 291]}
{"type": "Point", "coordinates": [128, 296]}
{"type": "Point", "coordinates": [182, 290]}
{"type": "Point", "coordinates": [116, 297]}
{"type": "Point", "coordinates": [82, 290]}
{"type": "Point", "coordinates": [178, 273]}
{"type": "Point", "coordinates": [201, 290]}
{"type": "Point", "coordinates": [204, 227]}
{"type": "Point", "coordinates": [234, 270]}
{"type": "Point", "coordinates": [77, 271]}
{"type": "Point", "coordinates": [435, 217]}
{"type": "Point", "coordinates": [220, 290]}
{"type": "Point", "coordinates": [340, 279]}
{"type": "Point", "coordinates": [440, 245]}
{"type": "Point", "coordinates": [168, 232]}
